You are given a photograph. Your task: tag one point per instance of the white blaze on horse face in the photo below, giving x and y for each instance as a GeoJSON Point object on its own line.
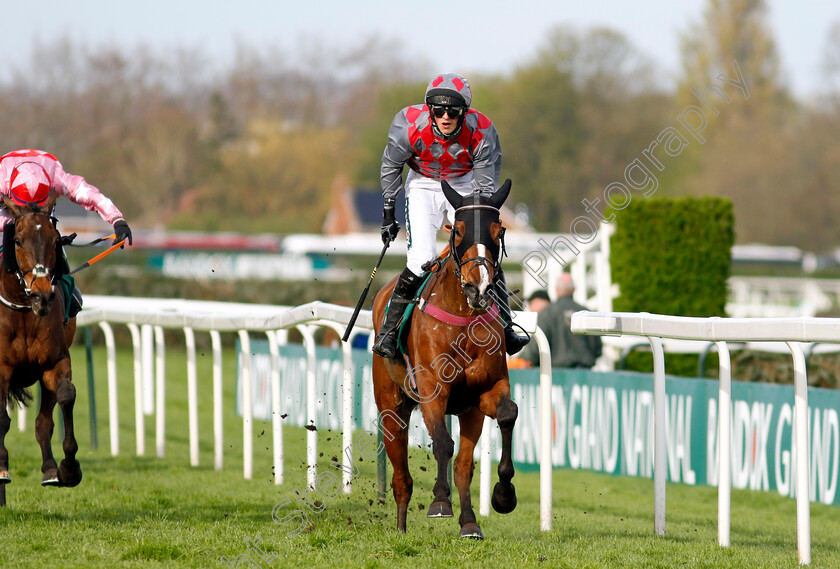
{"type": "Point", "coordinates": [485, 275]}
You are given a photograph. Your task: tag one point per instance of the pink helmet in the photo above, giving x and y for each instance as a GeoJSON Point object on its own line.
{"type": "Point", "coordinates": [29, 183]}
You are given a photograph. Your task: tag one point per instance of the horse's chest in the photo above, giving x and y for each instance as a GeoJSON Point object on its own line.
{"type": "Point", "coordinates": [29, 348]}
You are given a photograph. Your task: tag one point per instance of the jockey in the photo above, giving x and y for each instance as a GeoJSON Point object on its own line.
{"type": "Point", "coordinates": [441, 140]}
{"type": "Point", "coordinates": [27, 176]}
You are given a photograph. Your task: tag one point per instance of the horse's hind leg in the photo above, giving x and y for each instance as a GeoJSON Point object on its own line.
{"type": "Point", "coordinates": [43, 434]}
{"type": "Point", "coordinates": [498, 404]}
{"type": "Point", "coordinates": [69, 471]}
{"type": "Point", "coordinates": [471, 423]}
{"type": "Point", "coordinates": [5, 424]}
{"type": "Point", "coordinates": [395, 433]}
{"type": "Point", "coordinates": [395, 416]}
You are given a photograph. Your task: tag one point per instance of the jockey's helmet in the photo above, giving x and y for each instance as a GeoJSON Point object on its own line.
{"type": "Point", "coordinates": [449, 89]}
{"type": "Point", "coordinates": [29, 183]}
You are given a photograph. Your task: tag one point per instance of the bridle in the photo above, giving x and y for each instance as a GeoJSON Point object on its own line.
{"type": "Point", "coordinates": [481, 262]}
{"type": "Point", "coordinates": [39, 270]}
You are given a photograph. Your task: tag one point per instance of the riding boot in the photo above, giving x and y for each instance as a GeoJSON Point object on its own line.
{"type": "Point", "coordinates": [62, 265]}
{"type": "Point", "coordinates": [75, 302]}
{"type": "Point", "coordinates": [386, 341]}
{"type": "Point", "coordinates": [513, 341]}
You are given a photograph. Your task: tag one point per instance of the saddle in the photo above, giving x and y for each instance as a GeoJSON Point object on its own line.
{"type": "Point", "coordinates": [71, 295]}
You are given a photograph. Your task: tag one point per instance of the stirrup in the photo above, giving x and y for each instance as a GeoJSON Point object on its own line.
{"type": "Point", "coordinates": [386, 345]}
{"type": "Point", "coordinates": [514, 342]}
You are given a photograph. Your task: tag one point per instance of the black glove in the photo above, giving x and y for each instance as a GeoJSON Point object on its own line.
{"type": "Point", "coordinates": [390, 227]}
{"type": "Point", "coordinates": [122, 231]}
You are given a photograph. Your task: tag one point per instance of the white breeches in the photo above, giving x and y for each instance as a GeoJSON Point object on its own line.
{"type": "Point", "coordinates": [425, 208]}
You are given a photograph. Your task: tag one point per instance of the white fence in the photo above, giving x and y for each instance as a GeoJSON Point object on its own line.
{"type": "Point", "coordinates": [793, 331]}
{"type": "Point", "coordinates": [146, 319]}
{"type": "Point", "coordinates": [779, 297]}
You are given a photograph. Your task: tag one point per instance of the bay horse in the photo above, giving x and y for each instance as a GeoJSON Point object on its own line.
{"type": "Point", "coordinates": [455, 353]}
{"type": "Point", "coordinates": [34, 339]}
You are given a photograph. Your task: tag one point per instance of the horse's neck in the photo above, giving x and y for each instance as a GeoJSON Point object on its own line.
{"type": "Point", "coordinates": [445, 291]}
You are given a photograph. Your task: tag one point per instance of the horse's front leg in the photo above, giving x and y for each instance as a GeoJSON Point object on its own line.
{"type": "Point", "coordinates": [43, 434]}
{"type": "Point", "coordinates": [69, 471]}
{"type": "Point", "coordinates": [443, 447]}
{"type": "Point", "coordinates": [5, 425]}
{"type": "Point", "coordinates": [497, 404]}
{"type": "Point", "coordinates": [471, 423]}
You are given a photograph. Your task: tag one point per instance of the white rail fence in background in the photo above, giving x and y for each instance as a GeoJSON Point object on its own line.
{"type": "Point", "coordinates": [780, 297]}
{"type": "Point", "coordinates": [793, 331]}
{"type": "Point", "coordinates": [146, 318]}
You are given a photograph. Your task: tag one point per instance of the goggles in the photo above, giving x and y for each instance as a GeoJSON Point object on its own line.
{"type": "Point", "coordinates": [453, 111]}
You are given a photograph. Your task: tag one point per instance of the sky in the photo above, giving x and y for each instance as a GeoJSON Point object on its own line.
{"type": "Point", "coordinates": [465, 36]}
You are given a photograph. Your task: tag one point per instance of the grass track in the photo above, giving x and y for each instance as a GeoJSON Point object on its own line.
{"type": "Point", "coordinates": [146, 512]}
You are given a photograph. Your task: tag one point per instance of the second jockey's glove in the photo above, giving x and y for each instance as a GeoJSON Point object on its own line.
{"type": "Point", "coordinates": [390, 227]}
{"type": "Point", "coordinates": [122, 231]}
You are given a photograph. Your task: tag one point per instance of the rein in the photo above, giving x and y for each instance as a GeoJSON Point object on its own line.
{"type": "Point", "coordinates": [40, 272]}
{"type": "Point", "coordinates": [13, 306]}
{"type": "Point", "coordinates": [435, 266]}
{"type": "Point", "coordinates": [44, 272]}
{"type": "Point", "coordinates": [438, 313]}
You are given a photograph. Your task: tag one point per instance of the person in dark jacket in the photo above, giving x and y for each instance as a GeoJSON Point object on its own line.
{"type": "Point", "coordinates": [538, 300]}
{"type": "Point", "coordinates": [568, 350]}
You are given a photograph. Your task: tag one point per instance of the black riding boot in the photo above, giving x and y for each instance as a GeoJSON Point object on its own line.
{"type": "Point", "coordinates": [513, 341]}
{"type": "Point", "coordinates": [386, 341]}
{"type": "Point", "coordinates": [62, 269]}
{"type": "Point", "coordinates": [75, 302]}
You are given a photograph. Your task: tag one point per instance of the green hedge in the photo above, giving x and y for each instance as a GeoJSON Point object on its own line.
{"type": "Point", "coordinates": [673, 256]}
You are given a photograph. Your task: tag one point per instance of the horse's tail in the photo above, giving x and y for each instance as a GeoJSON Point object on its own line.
{"type": "Point", "coordinates": [21, 395]}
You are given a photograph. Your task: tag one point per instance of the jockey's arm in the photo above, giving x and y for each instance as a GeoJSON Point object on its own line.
{"type": "Point", "coordinates": [487, 162]}
{"type": "Point", "coordinates": [77, 190]}
{"type": "Point", "coordinates": [397, 153]}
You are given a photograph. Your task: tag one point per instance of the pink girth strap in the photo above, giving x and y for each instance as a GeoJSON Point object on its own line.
{"type": "Point", "coordinates": [448, 318]}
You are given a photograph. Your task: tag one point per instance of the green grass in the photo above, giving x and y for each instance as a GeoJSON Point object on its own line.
{"type": "Point", "coordinates": [134, 511]}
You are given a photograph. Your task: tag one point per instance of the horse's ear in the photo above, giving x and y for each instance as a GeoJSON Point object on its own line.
{"type": "Point", "coordinates": [50, 203]}
{"type": "Point", "coordinates": [9, 255]}
{"type": "Point", "coordinates": [499, 197]}
{"type": "Point", "coordinates": [11, 206]}
{"type": "Point", "coordinates": [453, 197]}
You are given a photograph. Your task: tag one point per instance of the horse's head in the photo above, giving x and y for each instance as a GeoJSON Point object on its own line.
{"type": "Point", "coordinates": [30, 248]}
{"type": "Point", "coordinates": [476, 240]}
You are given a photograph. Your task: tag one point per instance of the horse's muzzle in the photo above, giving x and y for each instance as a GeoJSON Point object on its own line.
{"type": "Point", "coordinates": [475, 299]}
{"type": "Point", "coordinates": [41, 302]}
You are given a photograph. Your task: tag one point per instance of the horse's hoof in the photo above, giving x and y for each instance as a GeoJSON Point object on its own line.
{"type": "Point", "coordinates": [4, 477]}
{"type": "Point", "coordinates": [69, 473]}
{"type": "Point", "coordinates": [439, 510]}
{"type": "Point", "coordinates": [472, 531]}
{"type": "Point", "coordinates": [50, 478]}
{"type": "Point", "coordinates": [504, 498]}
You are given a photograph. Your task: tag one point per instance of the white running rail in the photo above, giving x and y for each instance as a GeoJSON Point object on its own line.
{"type": "Point", "coordinates": [243, 319]}
{"type": "Point", "coordinates": [793, 331]}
